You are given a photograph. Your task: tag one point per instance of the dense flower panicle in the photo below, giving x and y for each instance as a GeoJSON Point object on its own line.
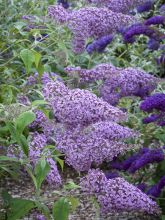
{"type": "Point", "coordinates": [23, 100]}
{"type": "Point", "coordinates": [99, 72]}
{"type": "Point", "coordinates": [117, 195]}
{"type": "Point", "coordinates": [74, 107]}
{"type": "Point", "coordinates": [153, 156]}
{"type": "Point", "coordinates": [53, 177]}
{"type": "Point", "coordinates": [156, 190]}
{"type": "Point", "coordinates": [129, 82]}
{"type": "Point", "coordinates": [39, 121]}
{"type": "Point", "coordinates": [118, 82]}
{"type": "Point", "coordinates": [94, 144]}
{"type": "Point", "coordinates": [138, 29]}
{"type": "Point", "coordinates": [156, 101]}
{"type": "Point", "coordinates": [145, 7]}
{"type": "Point", "coordinates": [58, 13]}
{"type": "Point", "coordinates": [90, 22]}
{"type": "Point", "coordinates": [99, 45]}
{"type": "Point", "coordinates": [123, 6]}
{"type": "Point", "coordinates": [158, 19]}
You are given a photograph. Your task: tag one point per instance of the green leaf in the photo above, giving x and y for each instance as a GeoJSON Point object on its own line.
{"type": "Point", "coordinates": [39, 102]}
{"type": "Point", "coordinates": [6, 198]}
{"type": "Point", "coordinates": [61, 162]}
{"type": "Point", "coordinates": [41, 170]}
{"type": "Point", "coordinates": [24, 120]}
{"type": "Point", "coordinates": [37, 58]}
{"type": "Point", "coordinates": [5, 158]}
{"type": "Point", "coordinates": [74, 202]}
{"type": "Point", "coordinates": [19, 208]}
{"type": "Point", "coordinates": [163, 217]}
{"type": "Point", "coordinates": [40, 69]}
{"type": "Point", "coordinates": [71, 185]}
{"type": "Point", "coordinates": [24, 144]}
{"type": "Point", "coordinates": [28, 58]}
{"type": "Point", "coordinates": [44, 209]}
{"type": "Point", "coordinates": [61, 209]}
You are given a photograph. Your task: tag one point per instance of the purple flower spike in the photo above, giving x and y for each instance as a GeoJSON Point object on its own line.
{"type": "Point", "coordinates": [147, 6]}
{"type": "Point", "coordinates": [99, 45]}
{"type": "Point", "coordinates": [153, 44]}
{"type": "Point", "coordinates": [155, 155]}
{"type": "Point", "coordinates": [64, 3]}
{"type": "Point", "coordinates": [138, 29]}
{"type": "Point", "coordinates": [151, 118]}
{"type": "Point", "coordinates": [116, 195]}
{"type": "Point", "coordinates": [155, 190]}
{"type": "Point", "coordinates": [156, 101]}
{"type": "Point", "coordinates": [158, 19]}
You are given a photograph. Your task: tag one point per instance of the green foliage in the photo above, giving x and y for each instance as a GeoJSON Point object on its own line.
{"type": "Point", "coordinates": [16, 208]}
{"type": "Point", "coordinates": [61, 209]}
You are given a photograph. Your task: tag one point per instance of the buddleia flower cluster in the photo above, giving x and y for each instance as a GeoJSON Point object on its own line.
{"type": "Point", "coordinates": [117, 82]}
{"type": "Point", "coordinates": [122, 6]}
{"type": "Point", "coordinates": [116, 194]}
{"type": "Point", "coordinates": [90, 133]}
{"type": "Point", "coordinates": [145, 7]}
{"type": "Point", "coordinates": [154, 104]}
{"type": "Point", "coordinates": [89, 22]}
{"type": "Point", "coordinates": [139, 160]}
{"type": "Point", "coordinates": [156, 189]}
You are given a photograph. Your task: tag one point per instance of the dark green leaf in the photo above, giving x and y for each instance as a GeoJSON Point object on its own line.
{"type": "Point", "coordinates": [28, 58]}
{"type": "Point", "coordinates": [24, 120]}
{"type": "Point", "coordinates": [19, 208]}
{"type": "Point", "coordinates": [61, 209]}
{"type": "Point", "coordinates": [41, 170]}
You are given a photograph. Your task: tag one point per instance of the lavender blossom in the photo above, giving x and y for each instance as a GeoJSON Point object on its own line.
{"type": "Point", "coordinates": [129, 82]}
{"type": "Point", "coordinates": [23, 100]}
{"type": "Point", "coordinates": [39, 121]}
{"type": "Point", "coordinates": [117, 195]}
{"type": "Point", "coordinates": [100, 72]}
{"type": "Point", "coordinates": [145, 7]}
{"type": "Point", "coordinates": [153, 156]}
{"type": "Point", "coordinates": [158, 19]}
{"type": "Point", "coordinates": [99, 45]}
{"type": "Point", "coordinates": [89, 23]}
{"type": "Point", "coordinates": [122, 6]}
{"type": "Point", "coordinates": [94, 144]}
{"type": "Point", "coordinates": [74, 107]}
